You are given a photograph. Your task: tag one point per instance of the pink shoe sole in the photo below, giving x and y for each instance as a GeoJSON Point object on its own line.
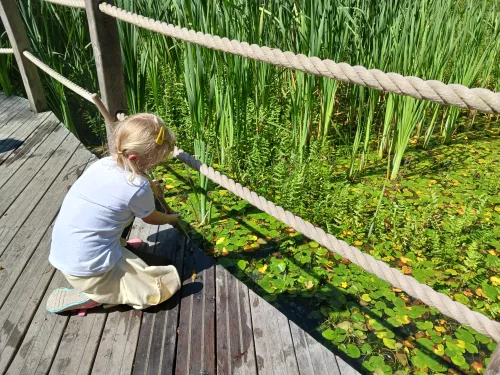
{"type": "Point", "coordinates": [136, 243]}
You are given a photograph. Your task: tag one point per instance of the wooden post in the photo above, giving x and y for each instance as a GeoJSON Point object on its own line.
{"type": "Point", "coordinates": [108, 59]}
{"type": "Point", "coordinates": [13, 24]}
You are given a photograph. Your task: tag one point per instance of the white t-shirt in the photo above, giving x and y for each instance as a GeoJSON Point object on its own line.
{"type": "Point", "coordinates": [94, 213]}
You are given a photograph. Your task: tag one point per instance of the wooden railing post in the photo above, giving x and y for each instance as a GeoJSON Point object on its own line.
{"type": "Point", "coordinates": [108, 59]}
{"type": "Point", "coordinates": [13, 24]}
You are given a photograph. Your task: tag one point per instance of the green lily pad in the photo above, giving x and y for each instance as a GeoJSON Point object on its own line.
{"type": "Point", "coordinates": [426, 343]}
{"type": "Point", "coordinates": [329, 334]}
{"type": "Point", "coordinates": [366, 349]}
{"type": "Point", "coordinates": [390, 343]}
{"type": "Point", "coordinates": [424, 326]}
{"type": "Point", "coordinates": [353, 351]}
{"type": "Point", "coordinates": [242, 264]}
{"type": "Point", "coordinates": [365, 297]}
{"type": "Point", "coordinates": [394, 322]}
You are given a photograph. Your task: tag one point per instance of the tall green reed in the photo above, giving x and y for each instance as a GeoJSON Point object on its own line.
{"type": "Point", "coordinates": [234, 103]}
{"type": "Point", "coordinates": [6, 66]}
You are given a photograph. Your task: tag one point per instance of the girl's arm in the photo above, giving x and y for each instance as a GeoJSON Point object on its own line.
{"type": "Point", "coordinates": [159, 218]}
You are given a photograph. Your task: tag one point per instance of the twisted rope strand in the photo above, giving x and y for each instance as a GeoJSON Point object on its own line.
{"type": "Point", "coordinates": [6, 51]}
{"type": "Point", "coordinates": [66, 82]}
{"type": "Point", "coordinates": [93, 98]}
{"type": "Point", "coordinates": [435, 91]}
{"type": "Point", "coordinates": [69, 3]}
{"type": "Point", "coordinates": [408, 284]}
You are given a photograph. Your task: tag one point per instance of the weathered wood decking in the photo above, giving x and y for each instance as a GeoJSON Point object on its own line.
{"type": "Point", "coordinates": [214, 325]}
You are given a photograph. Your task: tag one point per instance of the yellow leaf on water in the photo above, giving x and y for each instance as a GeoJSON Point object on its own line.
{"type": "Point", "coordinates": [480, 293]}
{"type": "Point", "coordinates": [440, 329]}
{"type": "Point", "coordinates": [405, 260]}
{"type": "Point", "coordinates": [220, 240]}
{"type": "Point", "coordinates": [439, 349]}
{"type": "Point", "coordinates": [358, 243]}
{"type": "Point", "coordinates": [407, 270]}
{"type": "Point", "coordinates": [263, 268]}
{"type": "Point", "coordinates": [497, 208]}
{"type": "Point", "coordinates": [478, 367]}
{"type": "Point", "coordinates": [224, 251]}
{"type": "Point", "coordinates": [343, 285]}
{"type": "Point", "coordinates": [495, 280]}
{"type": "Point", "coordinates": [461, 344]}
{"type": "Point", "coordinates": [309, 284]}
{"type": "Point", "coordinates": [404, 319]}
{"type": "Point", "coordinates": [169, 187]}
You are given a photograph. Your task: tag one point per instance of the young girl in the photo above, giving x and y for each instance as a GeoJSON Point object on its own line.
{"type": "Point", "coordinates": [86, 241]}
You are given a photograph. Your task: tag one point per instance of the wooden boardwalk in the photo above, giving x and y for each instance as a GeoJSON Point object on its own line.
{"type": "Point", "coordinates": [214, 325]}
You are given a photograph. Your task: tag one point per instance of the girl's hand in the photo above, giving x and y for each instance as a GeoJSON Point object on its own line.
{"type": "Point", "coordinates": [174, 219]}
{"type": "Point", "coordinates": [159, 218]}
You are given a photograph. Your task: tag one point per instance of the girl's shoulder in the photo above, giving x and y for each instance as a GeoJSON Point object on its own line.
{"type": "Point", "coordinates": [107, 169]}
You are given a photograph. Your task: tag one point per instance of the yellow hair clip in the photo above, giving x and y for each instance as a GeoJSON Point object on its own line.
{"type": "Point", "coordinates": [161, 135]}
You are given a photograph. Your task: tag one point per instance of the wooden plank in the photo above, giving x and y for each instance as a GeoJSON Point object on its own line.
{"type": "Point", "coordinates": [42, 339]}
{"type": "Point", "coordinates": [27, 200]}
{"type": "Point", "coordinates": [13, 24]}
{"type": "Point", "coordinates": [13, 120]}
{"type": "Point", "coordinates": [196, 341]}
{"type": "Point", "coordinates": [22, 302]}
{"type": "Point", "coordinates": [18, 111]}
{"type": "Point", "coordinates": [79, 343]}
{"type": "Point", "coordinates": [26, 133]}
{"type": "Point", "coordinates": [28, 236]}
{"type": "Point", "coordinates": [118, 344]}
{"type": "Point", "coordinates": [28, 171]}
{"type": "Point", "coordinates": [10, 162]}
{"type": "Point", "coordinates": [312, 357]}
{"type": "Point", "coordinates": [157, 341]}
{"type": "Point", "coordinates": [6, 106]}
{"type": "Point", "coordinates": [235, 345]}
{"type": "Point", "coordinates": [273, 341]}
{"type": "Point", "coordinates": [108, 60]}
{"type": "Point", "coordinates": [345, 368]}
{"type": "Point", "coordinates": [40, 343]}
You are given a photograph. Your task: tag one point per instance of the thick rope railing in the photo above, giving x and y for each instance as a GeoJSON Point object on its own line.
{"type": "Point", "coordinates": [6, 51]}
{"type": "Point", "coordinates": [408, 284]}
{"type": "Point", "coordinates": [435, 91]}
{"type": "Point", "coordinates": [93, 98]}
{"type": "Point", "coordinates": [69, 3]}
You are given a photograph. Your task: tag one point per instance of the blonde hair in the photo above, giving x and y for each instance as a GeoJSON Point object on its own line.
{"type": "Point", "coordinates": [140, 135]}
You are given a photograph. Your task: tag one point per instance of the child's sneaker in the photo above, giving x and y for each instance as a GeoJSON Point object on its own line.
{"type": "Point", "coordinates": [65, 299]}
{"type": "Point", "coordinates": [136, 243]}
